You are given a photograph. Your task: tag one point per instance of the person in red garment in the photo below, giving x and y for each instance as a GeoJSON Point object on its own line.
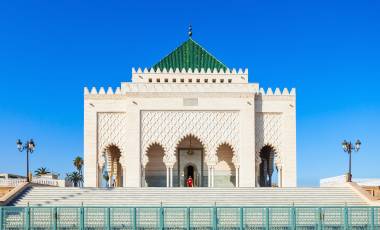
{"type": "Point", "coordinates": [189, 182]}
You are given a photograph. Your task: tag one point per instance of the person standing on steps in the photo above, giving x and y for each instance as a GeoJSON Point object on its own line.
{"type": "Point", "coordinates": [189, 182]}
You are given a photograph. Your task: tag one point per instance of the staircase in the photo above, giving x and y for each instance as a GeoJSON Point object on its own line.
{"type": "Point", "coordinates": [56, 196]}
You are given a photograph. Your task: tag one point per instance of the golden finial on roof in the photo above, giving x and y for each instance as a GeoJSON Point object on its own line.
{"type": "Point", "coordinates": [190, 31]}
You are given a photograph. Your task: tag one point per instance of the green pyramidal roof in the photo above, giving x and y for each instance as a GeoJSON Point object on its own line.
{"type": "Point", "coordinates": [190, 55]}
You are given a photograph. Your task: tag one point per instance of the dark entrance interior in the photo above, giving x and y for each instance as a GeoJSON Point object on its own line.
{"type": "Point", "coordinates": [190, 171]}
{"type": "Point", "coordinates": [266, 166]}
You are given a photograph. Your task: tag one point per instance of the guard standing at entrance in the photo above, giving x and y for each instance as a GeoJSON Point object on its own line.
{"type": "Point", "coordinates": [189, 182]}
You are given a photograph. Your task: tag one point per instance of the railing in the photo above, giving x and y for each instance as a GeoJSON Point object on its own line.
{"type": "Point", "coordinates": [39, 180]}
{"type": "Point", "coordinates": [213, 218]}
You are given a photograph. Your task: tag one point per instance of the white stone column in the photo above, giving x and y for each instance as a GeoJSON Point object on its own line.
{"type": "Point", "coordinates": [209, 176]}
{"type": "Point", "coordinates": [279, 176]}
{"type": "Point", "coordinates": [171, 176]}
{"type": "Point", "coordinates": [237, 177]}
{"type": "Point", "coordinates": [213, 176]}
{"type": "Point", "coordinates": [167, 176]}
{"type": "Point", "coordinates": [143, 179]}
{"type": "Point", "coordinates": [109, 179]}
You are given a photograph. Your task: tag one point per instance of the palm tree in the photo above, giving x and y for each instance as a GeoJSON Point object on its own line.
{"type": "Point", "coordinates": [78, 163]}
{"type": "Point", "coordinates": [41, 171]}
{"type": "Point", "coordinates": [75, 178]}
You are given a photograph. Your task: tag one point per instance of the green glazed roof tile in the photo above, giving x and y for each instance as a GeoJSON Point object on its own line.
{"type": "Point", "coordinates": [190, 55]}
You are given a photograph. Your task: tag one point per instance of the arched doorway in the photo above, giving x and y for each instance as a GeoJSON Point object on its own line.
{"type": "Point", "coordinates": [267, 154]}
{"type": "Point", "coordinates": [112, 172]}
{"type": "Point", "coordinates": [189, 171]}
{"type": "Point", "coordinates": [225, 169]}
{"type": "Point", "coordinates": [190, 161]}
{"type": "Point", "coordinates": [155, 169]}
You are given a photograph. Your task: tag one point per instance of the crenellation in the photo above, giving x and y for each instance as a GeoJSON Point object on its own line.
{"type": "Point", "coordinates": [94, 91]}
{"type": "Point", "coordinates": [117, 91]}
{"type": "Point", "coordinates": [196, 75]}
{"type": "Point", "coordinates": [85, 91]}
{"type": "Point", "coordinates": [109, 91]}
{"type": "Point", "coordinates": [101, 91]}
{"type": "Point", "coordinates": [277, 92]}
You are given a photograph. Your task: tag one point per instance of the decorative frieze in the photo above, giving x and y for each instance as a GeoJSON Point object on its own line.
{"type": "Point", "coordinates": [167, 128]}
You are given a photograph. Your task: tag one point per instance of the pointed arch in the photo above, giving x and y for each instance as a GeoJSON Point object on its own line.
{"type": "Point", "coordinates": [267, 165]}
{"type": "Point", "coordinates": [225, 169]}
{"type": "Point", "coordinates": [110, 163]}
{"type": "Point", "coordinates": [184, 141]}
{"type": "Point", "coordinates": [154, 166]}
{"type": "Point", "coordinates": [190, 149]}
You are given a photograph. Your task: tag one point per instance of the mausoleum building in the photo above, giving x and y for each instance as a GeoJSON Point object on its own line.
{"type": "Point", "coordinates": [189, 115]}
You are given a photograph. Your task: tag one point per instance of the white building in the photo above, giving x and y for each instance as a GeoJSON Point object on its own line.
{"type": "Point", "coordinates": [189, 115]}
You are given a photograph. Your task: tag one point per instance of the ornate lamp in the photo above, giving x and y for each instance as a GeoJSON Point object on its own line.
{"type": "Point", "coordinates": [348, 147]}
{"type": "Point", "coordinates": [29, 147]}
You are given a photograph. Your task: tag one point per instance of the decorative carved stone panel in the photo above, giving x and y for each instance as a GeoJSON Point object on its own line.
{"type": "Point", "coordinates": [111, 131]}
{"type": "Point", "coordinates": [167, 128]}
{"type": "Point", "coordinates": [268, 132]}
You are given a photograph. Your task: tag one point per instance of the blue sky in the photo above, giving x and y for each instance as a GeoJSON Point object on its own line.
{"type": "Point", "coordinates": [328, 50]}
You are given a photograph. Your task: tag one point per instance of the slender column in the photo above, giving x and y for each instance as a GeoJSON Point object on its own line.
{"type": "Point", "coordinates": [109, 179]}
{"type": "Point", "coordinates": [212, 178]}
{"type": "Point", "coordinates": [209, 176]}
{"type": "Point", "coordinates": [143, 178]}
{"type": "Point", "coordinates": [236, 177]}
{"type": "Point", "coordinates": [280, 177]}
{"type": "Point", "coordinates": [116, 180]}
{"type": "Point", "coordinates": [171, 176]}
{"type": "Point", "coordinates": [167, 176]}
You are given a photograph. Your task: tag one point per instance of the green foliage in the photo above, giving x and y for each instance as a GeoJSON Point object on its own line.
{"type": "Point", "coordinates": [75, 177]}
{"type": "Point", "coordinates": [41, 171]}
{"type": "Point", "coordinates": [78, 163]}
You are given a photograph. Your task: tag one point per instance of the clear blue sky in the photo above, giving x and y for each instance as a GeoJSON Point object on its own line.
{"type": "Point", "coordinates": [328, 50]}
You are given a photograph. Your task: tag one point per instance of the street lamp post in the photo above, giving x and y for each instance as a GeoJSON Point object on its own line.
{"type": "Point", "coordinates": [348, 147]}
{"type": "Point", "coordinates": [29, 146]}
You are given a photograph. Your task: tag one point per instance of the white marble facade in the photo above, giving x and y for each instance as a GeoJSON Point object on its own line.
{"type": "Point", "coordinates": [140, 132]}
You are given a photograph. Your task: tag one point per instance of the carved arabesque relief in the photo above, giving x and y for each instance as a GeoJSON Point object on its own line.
{"type": "Point", "coordinates": [111, 131]}
{"type": "Point", "coordinates": [268, 132]}
{"type": "Point", "coordinates": [169, 127]}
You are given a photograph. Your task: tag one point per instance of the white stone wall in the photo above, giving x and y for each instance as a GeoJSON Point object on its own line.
{"type": "Point", "coordinates": [276, 126]}
{"type": "Point", "coordinates": [238, 113]}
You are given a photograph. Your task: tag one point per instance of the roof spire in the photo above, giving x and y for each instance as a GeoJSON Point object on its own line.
{"type": "Point", "coordinates": [190, 31]}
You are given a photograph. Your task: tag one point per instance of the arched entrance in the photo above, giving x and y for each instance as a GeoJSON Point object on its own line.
{"type": "Point", "coordinates": [191, 171]}
{"type": "Point", "coordinates": [112, 172]}
{"type": "Point", "coordinates": [190, 162]}
{"type": "Point", "coordinates": [155, 169]}
{"type": "Point", "coordinates": [267, 154]}
{"type": "Point", "coordinates": [225, 170]}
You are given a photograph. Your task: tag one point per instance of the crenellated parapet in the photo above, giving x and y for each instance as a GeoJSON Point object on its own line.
{"type": "Point", "coordinates": [277, 92]}
{"type": "Point", "coordinates": [102, 91]}
{"type": "Point", "coordinates": [128, 87]}
{"type": "Point", "coordinates": [205, 76]}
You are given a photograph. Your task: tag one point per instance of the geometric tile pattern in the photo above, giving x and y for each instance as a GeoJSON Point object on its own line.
{"type": "Point", "coordinates": [167, 128]}
{"type": "Point", "coordinates": [111, 131]}
{"type": "Point", "coordinates": [268, 132]}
